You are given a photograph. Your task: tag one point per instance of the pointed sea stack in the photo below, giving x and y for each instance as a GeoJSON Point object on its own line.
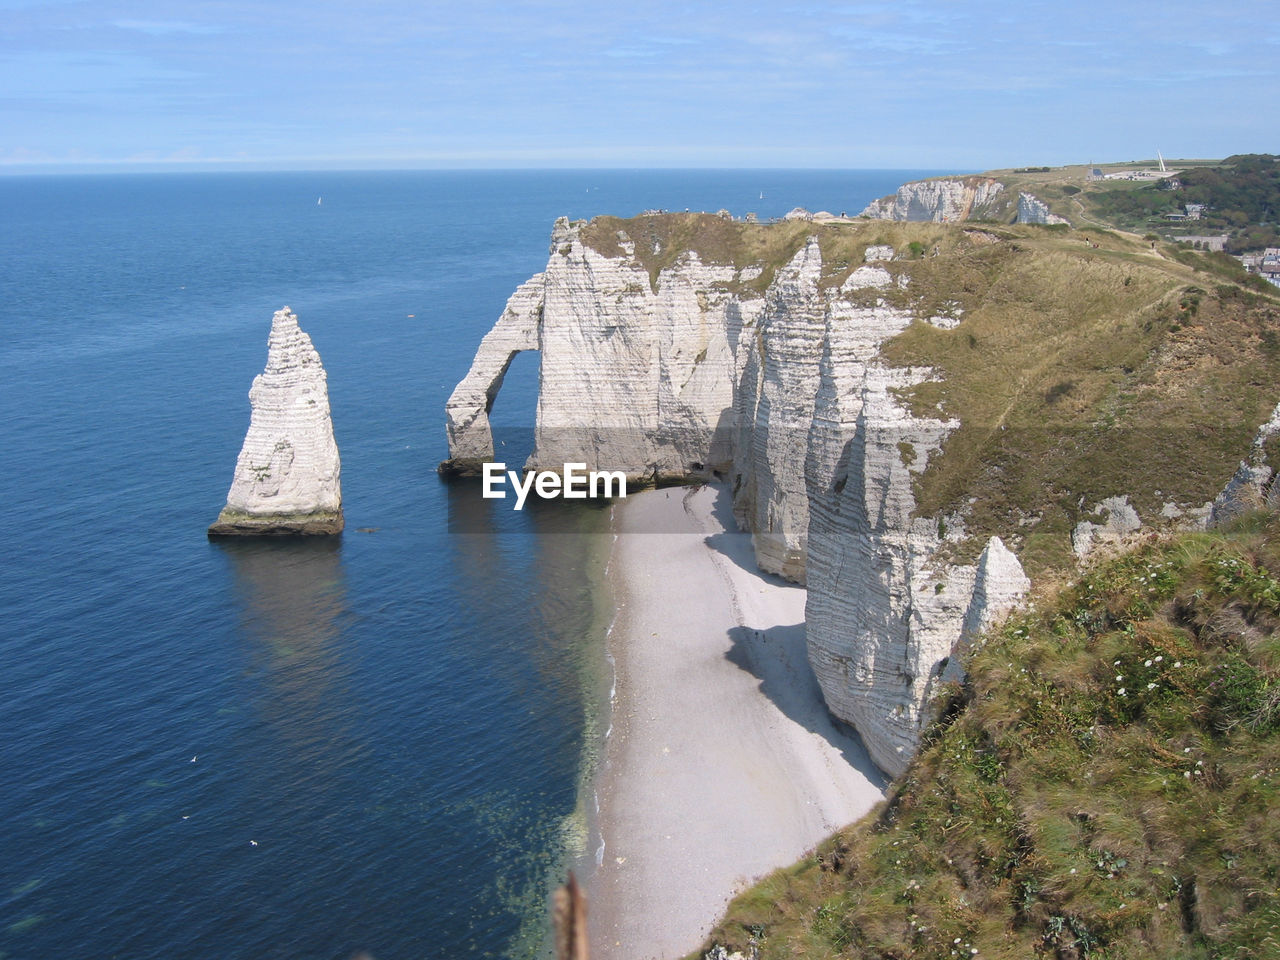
{"type": "Point", "coordinates": [287, 479]}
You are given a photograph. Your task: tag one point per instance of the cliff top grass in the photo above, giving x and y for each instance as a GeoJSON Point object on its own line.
{"type": "Point", "coordinates": [1103, 785]}
{"type": "Point", "coordinates": [660, 239]}
{"type": "Point", "coordinates": [1087, 364]}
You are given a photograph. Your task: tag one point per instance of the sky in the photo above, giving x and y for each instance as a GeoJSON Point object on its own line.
{"type": "Point", "coordinates": [939, 84]}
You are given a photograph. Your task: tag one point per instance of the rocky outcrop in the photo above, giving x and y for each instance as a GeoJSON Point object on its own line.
{"type": "Point", "coordinates": [468, 407]}
{"type": "Point", "coordinates": [287, 477]}
{"type": "Point", "coordinates": [693, 372]}
{"type": "Point", "coordinates": [634, 376]}
{"type": "Point", "coordinates": [1117, 519]}
{"type": "Point", "coordinates": [1252, 485]}
{"type": "Point", "coordinates": [946, 200]}
{"type": "Point", "coordinates": [1031, 209]}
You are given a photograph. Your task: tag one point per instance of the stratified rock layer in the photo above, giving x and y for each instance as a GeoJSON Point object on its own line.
{"type": "Point", "coordinates": [287, 479]}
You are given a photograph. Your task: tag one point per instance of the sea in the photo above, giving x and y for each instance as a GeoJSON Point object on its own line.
{"type": "Point", "coordinates": [378, 744]}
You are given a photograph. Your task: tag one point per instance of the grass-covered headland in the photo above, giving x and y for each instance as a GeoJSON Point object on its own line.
{"type": "Point", "coordinates": [1105, 784]}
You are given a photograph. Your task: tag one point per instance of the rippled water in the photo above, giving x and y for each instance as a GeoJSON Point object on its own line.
{"type": "Point", "coordinates": [289, 749]}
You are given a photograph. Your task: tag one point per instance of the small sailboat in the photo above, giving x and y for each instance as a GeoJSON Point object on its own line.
{"type": "Point", "coordinates": [319, 200]}
{"type": "Point", "coordinates": [761, 194]}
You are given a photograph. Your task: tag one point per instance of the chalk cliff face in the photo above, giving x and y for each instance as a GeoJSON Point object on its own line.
{"type": "Point", "coordinates": [287, 477]}
{"type": "Point", "coordinates": [634, 376]}
{"type": "Point", "coordinates": [1031, 209]}
{"type": "Point", "coordinates": [783, 392]}
{"type": "Point", "coordinates": [947, 200]}
{"type": "Point", "coordinates": [804, 363]}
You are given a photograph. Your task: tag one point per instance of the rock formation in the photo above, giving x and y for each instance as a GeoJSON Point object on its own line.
{"type": "Point", "coordinates": [287, 478]}
{"type": "Point", "coordinates": [632, 377]}
{"type": "Point", "coordinates": [468, 407]}
{"type": "Point", "coordinates": [758, 354]}
{"type": "Point", "coordinates": [1253, 483]}
{"type": "Point", "coordinates": [782, 391]}
{"type": "Point", "coordinates": [944, 200]}
{"type": "Point", "coordinates": [955, 199]}
{"type": "Point", "coordinates": [1031, 209]}
{"type": "Point", "coordinates": [1118, 519]}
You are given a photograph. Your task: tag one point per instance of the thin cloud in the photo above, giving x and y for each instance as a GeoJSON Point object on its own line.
{"type": "Point", "coordinates": [160, 28]}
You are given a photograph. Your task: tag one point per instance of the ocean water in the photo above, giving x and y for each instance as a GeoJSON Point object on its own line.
{"type": "Point", "coordinates": [291, 749]}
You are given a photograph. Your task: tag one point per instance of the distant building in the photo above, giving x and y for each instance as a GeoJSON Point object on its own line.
{"type": "Point", "coordinates": [1096, 174]}
{"type": "Point", "coordinates": [1194, 210]}
{"type": "Point", "coordinates": [1170, 175]}
{"type": "Point", "coordinates": [1270, 265]}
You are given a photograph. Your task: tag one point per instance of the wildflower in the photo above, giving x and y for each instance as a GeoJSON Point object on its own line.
{"type": "Point", "coordinates": [1121, 691]}
{"type": "Point", "coordinates": [1159, 659]}
{"type": "Point", "coordinates": [1177, 663]}
{"type": "Point", "coordinates": [1147, 664]}
{"type": "Point", "coordinates": [1119, 677]}
{"type": "Point", "coordinates": [1151, 686]}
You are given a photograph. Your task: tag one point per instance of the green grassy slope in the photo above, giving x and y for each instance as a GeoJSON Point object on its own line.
{"type": "Point", "coordinates": [1104, 785]}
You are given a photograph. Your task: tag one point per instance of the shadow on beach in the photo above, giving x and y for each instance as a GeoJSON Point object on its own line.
{"type": "Point", "coordinates": [734, 544]}
{"type": "Point", "coordinates": [778, 659]}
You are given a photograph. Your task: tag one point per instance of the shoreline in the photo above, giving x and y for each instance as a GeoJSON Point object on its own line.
{"type": "Point", "coordinates": [720, 763]}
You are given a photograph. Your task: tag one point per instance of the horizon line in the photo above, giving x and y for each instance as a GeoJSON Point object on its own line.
{"type": "Point", "coordinates": [124, 167]}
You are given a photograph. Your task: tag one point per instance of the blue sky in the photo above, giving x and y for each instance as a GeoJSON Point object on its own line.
{"type": "Point", "coordinates": [641, 83]}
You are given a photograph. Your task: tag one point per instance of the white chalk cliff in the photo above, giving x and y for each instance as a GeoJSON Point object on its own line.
{"type": "Point", "coordinates": [956, 199]}
{"type": "Point", "coordinates": [748, 354]}
{"type": "Point", "coordinates": [1031, 209]}
{"type": "Point", "coordinates": [287, 477]}
{"type": "Point", "coordinates": [783, 392]}
{"type": "Point", "coordinates": [943, 200]}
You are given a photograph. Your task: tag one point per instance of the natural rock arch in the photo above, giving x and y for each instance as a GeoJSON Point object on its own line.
{"type": "Point", "coordinates": [468, 407]}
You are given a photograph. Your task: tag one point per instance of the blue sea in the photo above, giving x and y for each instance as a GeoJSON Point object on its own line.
{"type": "Point", "coordinates": [297, 749]}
